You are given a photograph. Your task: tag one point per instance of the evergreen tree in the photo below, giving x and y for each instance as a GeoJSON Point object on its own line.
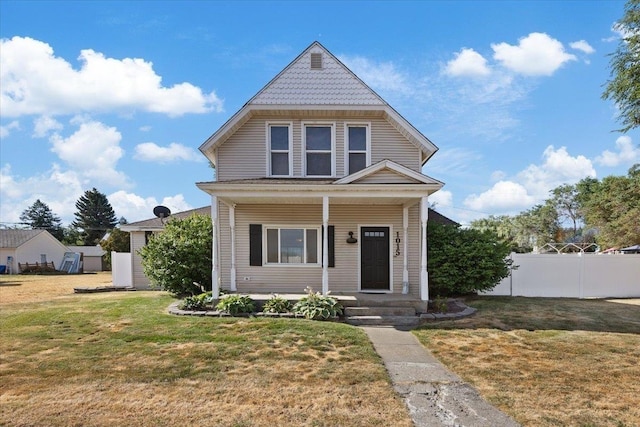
{"type": "Point", "coordinates": [40, 217]}
{"type": "Point", "coordinates": [95, 216]}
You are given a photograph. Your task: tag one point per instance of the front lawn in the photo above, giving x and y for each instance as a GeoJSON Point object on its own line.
{"type": "Point", "coordinates": [548, 362]}
{"type": "Point", "coordinates": [118, 359]}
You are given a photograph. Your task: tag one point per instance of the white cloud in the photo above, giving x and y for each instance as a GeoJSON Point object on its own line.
{"type": "Point", "coordinates": [146, 128]}
{"type": "Point", "coordinates": [559, 167]}
{"type": "Point", "coordinates": [35, 81]}
{"type": "Point", "coordinates": [583, 46]}
{"type": "Point", "coordinates": [378, 75]}
{"type": "Point", "coordinates": [151, 152]}
{"type": "Point", "coordinates": [626, 154]}
{"type": "Point", "coordinates": [532, 185]}
{"type": "Point", "coordinates": [454, 160]}
{"type": "Point", "coordinates": [5, 131]}
{"type": "Point", "coordinates": [535, 55]}
{"type": "Point", "coordinates": [93, 151]}
{"type": "Point", "coordinates": [57, 188]}
{"type": "Point", "coordinates": [137, 208]}
{"type": "Point", "coordinates": [442, 199]}
{"type": "Point", "coordinates": [468, 62]}
{"type": "Point", "coordinates": [504, 195]}
{"type": "Point", "coordinates": [45, 124]}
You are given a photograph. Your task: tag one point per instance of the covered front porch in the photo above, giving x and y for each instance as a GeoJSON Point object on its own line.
{"type": "Point", "coordinates": [351, 223]}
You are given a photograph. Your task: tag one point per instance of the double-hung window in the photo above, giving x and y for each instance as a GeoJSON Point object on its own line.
{"type": "Point", "coordinates": [279, 147]}
{"type": "Point", "coordinates": [292, 245]}
{"type": "Point", "coordinates": [358, 147]}
{"type": "Point", "coordinates": [319, 149]}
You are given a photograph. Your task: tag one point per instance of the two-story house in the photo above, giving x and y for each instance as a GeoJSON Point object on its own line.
{"type": "Point", "coordinates": [319, 183]}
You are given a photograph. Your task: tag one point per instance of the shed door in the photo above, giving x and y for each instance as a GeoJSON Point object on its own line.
{"type": "Point", "coordinates": [374, 259]}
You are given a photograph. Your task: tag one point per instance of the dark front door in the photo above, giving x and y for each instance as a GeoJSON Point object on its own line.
{"type": "Point", "coordinates": [374, 258]}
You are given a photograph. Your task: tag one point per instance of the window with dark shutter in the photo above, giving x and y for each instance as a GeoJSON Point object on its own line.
{"type": "Point", "coordinates": [255, 244]}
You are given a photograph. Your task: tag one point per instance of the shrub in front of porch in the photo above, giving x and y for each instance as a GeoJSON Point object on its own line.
{"type": "Point", "coordinates": [179, 258]}
{"type": "Point", "coordinates": [236, 304]}
{"type": "Point", "coordinates": [316, 306]}
{"type": "Point", "coordinates": [462, 261]}
{"type": "Point", "coordinates": [197, 302]}
{"type": "Point", "coordinates": [277, 304]}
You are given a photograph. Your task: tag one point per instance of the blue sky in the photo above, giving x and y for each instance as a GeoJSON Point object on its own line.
{"type": "Point", "coordinates": [120, 95]}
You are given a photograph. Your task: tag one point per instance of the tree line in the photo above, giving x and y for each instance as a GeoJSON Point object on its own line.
{"type": "Point", "coordinates": [605, 212]}
{"type": "Point", "coordinates": [94, 218]}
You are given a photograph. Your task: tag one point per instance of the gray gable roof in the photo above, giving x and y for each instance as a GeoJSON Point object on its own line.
{"type": "Point", "coordinates": [88, 250]}
{"type": "Point", "coordinates": [157, 224]}
{"type": "Point", "coordinates": [11, 239]}
{"type": "Point", "coordinates": [331, 87]}
{"type": "Point", "coordinates": [330, 84]}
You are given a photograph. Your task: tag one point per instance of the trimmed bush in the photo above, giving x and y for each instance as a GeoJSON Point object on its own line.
{"type": "Point", "coordinates": [462, 261]}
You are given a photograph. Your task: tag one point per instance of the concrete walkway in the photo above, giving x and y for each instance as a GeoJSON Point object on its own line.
{"type": "Point", "coordinates": [434, 395]}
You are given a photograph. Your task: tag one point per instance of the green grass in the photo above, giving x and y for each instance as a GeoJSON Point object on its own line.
{"type": "Point", "coordinates": [119, 358]}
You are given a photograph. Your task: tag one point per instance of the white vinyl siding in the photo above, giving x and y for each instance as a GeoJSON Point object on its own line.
{"type": "Point", "coordinates": [138, 241]}
{"type": "Point", "coordinates": [388, 143]}
{"type": "Point", "coordinates": [244, 154]}
{"type": "Point", "coordinates": [386, 177]}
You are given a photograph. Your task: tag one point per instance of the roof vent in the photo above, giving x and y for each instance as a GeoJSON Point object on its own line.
{"type": "Point", "coordinates": [316, 61]}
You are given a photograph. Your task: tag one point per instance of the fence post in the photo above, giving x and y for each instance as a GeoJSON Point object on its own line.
{"type": "Point", "coordinates": [581, 275]}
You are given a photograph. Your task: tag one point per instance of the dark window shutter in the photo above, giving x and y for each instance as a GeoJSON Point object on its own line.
{"type": "Point", "coordinates": [255, 244]}
{"type": "Point", "coordinates": [331, 231]}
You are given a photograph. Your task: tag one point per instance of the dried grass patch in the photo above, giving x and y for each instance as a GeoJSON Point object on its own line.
{"type": "Point", "coordinates": [580, 370]}
{"type": "Point", "coordinates": [117, 359]}
{"type": "Point", "coordinates": [26, 288]}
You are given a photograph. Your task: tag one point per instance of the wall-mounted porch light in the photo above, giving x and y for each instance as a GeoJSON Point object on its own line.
{"type": "Point", "coordinates": [351, 239]}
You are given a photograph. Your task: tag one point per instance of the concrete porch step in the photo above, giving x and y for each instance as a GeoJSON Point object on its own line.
{"type": "Point", "coordinates": [383, 320]}
{"type": "Point", "coordinates": [379, 311]}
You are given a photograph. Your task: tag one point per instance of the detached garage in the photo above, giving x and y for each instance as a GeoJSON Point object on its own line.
{"type": "Point", "coordinates": [29, 246]}
{"type": "Point", "coordinates": [93, 257]}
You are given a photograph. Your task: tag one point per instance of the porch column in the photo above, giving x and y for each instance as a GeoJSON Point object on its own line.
{"type": "Point", "coordinates": [215, 263]}
{"type": "Point", "coordinates": [325, 245]}
{"type": "Point", "coordinates": [424, 277]}
{"type": "Point", "coordinates": [405, 250]}
{"type": "Point", "coordinates": [232, 226]}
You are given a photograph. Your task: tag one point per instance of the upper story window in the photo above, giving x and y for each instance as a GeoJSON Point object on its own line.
{"type": "Point", "coordinates": [279, 149]}
{"type": "Point", "coordinates": [358, 148]}
{"type": "Point", "coordinates": [319, 148]}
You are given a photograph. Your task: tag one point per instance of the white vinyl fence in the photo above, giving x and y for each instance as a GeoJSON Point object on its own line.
{"type": "Point", "coordinates": [121, 269]}
{"type": "Point", "coordinates": [572, 276]}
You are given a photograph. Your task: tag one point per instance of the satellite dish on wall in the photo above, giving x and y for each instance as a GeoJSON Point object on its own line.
{"type": "Point", "coordinates": [161, 211]}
